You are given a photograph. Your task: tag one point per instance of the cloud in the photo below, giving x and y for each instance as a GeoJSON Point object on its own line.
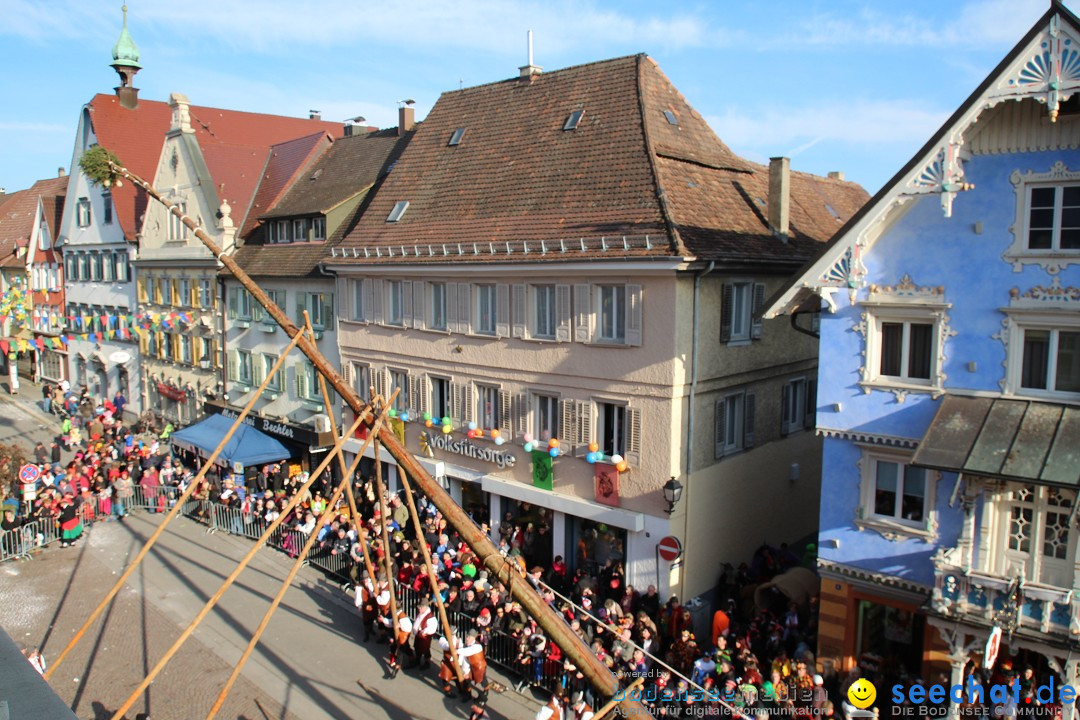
{"type": "Point", "coordinates": [276, 26]}
{"type": "Point", "coordinates": [793, 130]}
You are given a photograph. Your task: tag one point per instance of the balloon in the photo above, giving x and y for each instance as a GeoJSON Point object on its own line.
{"type": "Point", "coordinates": [495, 432]}
{"type": "Point", "coordinates": [528, 447]}
{"type": "Point", "coordinates": [404, 416]}
{"type": "Point", "coordinates": [554, 452]}
{"type": "Point", "coordinates": [599, 456]}
{"type": "Point", "coordinates": [428, 422]}
{"type": "Point", "coordinates": [590, 458]}
{"type": "Point", "coordinates": [553, 443]}
{"type": "Point", "coordinates": [446, 420]}
{"type": "Point", "coordinates": [527, 437]}
{"type": "Point", "coordinates": [472, 426]}
{"type": "Point", "coordinates": [499, 440]}
{"type": "Point", "coordinates": [447, 429]}
{"type": "Point", "coordinates": [621, 467]}
{"type": "Point", "coordinates": [616, 459]}
{"type": "Point", "coordinates": [427, 416]}
{"type": "Point", "coordinates": [479, 432]}
{"type": "Point", "coordinates": [392, 413]}
{"type": "Point", "coordinates": [594, 446]}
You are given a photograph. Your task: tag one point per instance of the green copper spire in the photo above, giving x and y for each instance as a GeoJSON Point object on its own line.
{"type": "Point", "coordinates": [125, 52]}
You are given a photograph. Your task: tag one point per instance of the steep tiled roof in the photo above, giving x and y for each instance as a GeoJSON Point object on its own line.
{"type": "Point", "coordinates": [285, 161]}
{"type": "Point", "coordinates": [517, 177]}
{"type": "Point", "coordinates": [235, 145]}
{"type": "Point", "coordinates": [18, 212]}
{"type": "Point", "coordinates": [347, 168]}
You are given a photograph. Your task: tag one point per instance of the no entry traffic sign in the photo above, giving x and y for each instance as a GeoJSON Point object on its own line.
{"type": "Point", "coordinates": [29, 473]}
{"type": "Point", "coordinates": [670, 548]}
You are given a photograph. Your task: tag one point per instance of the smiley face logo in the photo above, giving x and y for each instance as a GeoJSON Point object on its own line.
{"type": "Point", "coordinates": [862, 693]}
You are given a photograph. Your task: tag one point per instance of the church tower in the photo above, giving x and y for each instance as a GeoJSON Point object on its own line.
{"type": "Point", "coordinates": [125, 62]}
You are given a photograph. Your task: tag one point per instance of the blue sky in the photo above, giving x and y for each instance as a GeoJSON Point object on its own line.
{"type": "Point", "coordinates": [850, 85]}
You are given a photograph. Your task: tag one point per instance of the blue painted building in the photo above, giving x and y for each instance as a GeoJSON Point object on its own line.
{"type": "Point", "coordinates": [949, 386]}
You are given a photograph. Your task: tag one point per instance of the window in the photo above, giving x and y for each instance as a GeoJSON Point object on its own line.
{"type": "Point", "coordinates": [490, 410]}
{"type": "Point", "coordinates": [185, 350]}
{"type": "Point", "coordinates": [671, 118]}
{"type": "Point", "coordinates": [307, 382]}
{"type": "Point", "coordinates": [399, 209]}
{"type": "Point", "coordinates": [108, 267]}
{"type": "Point", "coordinates": [274, 384]}
{"type": "Point", "coordinates": [97, 266]}
{"type": "Point", "coordinates": [107, 209]}
{"type": "Point", "coordinates": [239, 304]}
{"type": "Point", "coordinates": [906, 351]}
{"type": "Point", "coordinates": [573, 120]}
{"type": "Point", "coordinates": [300, 228]}
{"type": "Point", "coordinates": [399, 380]}
{"type": "Point", "coordinates": [243, 367]}
{"type": "Point", "coordinates": [152, 343]}
{"type": "Point", "coordinates": [206, 293]}
{"type": "Point", "coordinates": [318, 228]}
{"type": "Point", "coordinates": [207, 352]}
{"type": "Point", "coordinates": [906, 326]}
{"type": "Point", "coordinates": [1053, 218]}
{"type": "Point", "coordinates": [455, 138]}
{"type": "Point", "coordinates": [396, 303]}
{"type": "Point", "coordinates": [735, 417]}
{"type": "Point", "coordinates": [440, 398]}
{"type": "Point", "coordinates": [82, 212]}
{"type": "Point", "coordinates": [740, 303]}
{"type": "Point", "coordinates": [184, 292]}
{"type": "Point", "coordinates": [612, 316]}
{"type": "Point", "coordinates": [797, 406]}
{"type": "Point", "coordinates": [70, 268]}
{"type": "Point", "coordinates": [177, 229]}
{"type": "Point", "coordinates": [1051, 360]}
{"type": "Point", "coordinates": [258, 312]}
{"type": "Point", "coordinates": [438, 306]}
{"type": "Point", "coordinates": [356, 300]}
{"type": "Point", "coordinates": [545, 417]}
{"type": "Point", "coordinates": [121, 268]}
{"type": "Point", "coordinates": [84, 266]}
{"type": "Point", "coordinates": [361, 377]}
{"type": "Point", "coordinates": [485, 310]}
{"type": "Point", "coordinates": [611, 428]}
{"type": "Point", "coordinates": [544, 318]}
{"type": "Point", "coordinates": [1035, 537]}
{"type": "Point", "coordinates": [897, 497]}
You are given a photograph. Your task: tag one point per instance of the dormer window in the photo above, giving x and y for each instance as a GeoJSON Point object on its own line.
{"type": "Point", "coordinates": [399, 209]}
{"type": "Point", "coordinates": [456, 137]}
{"type": "Point", "coordinates": [573, 120]}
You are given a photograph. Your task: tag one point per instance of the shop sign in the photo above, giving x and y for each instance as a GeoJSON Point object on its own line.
{"type": "Point", "coordinates": [173, 393]}
{"type": "Point", "coordinates": [465, 448]}
{"type": "Point", "coordinates": [301, 435]}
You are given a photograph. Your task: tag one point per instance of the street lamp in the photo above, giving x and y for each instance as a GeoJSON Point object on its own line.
{"type": "Point", "coordinates": [672, 492]}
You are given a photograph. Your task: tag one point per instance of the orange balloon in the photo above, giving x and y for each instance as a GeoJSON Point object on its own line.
{"type": "Point", "coordinates": [479, 433]}
{"type": "Point", "coordinates": [553, 443]}
{"type": "Point", "coordinates": [621, 467]}
{"type": "Point", "coordinates": [594, 446]}
{"type": "Point", "coordinates": [495, 432]}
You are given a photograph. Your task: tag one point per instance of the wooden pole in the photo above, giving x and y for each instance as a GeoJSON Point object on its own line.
{"type": "Point", "coordinates": [448, 630]}
{"type": "Point", "coordinates": [553, 624]}
{"type": "Point", "coordinates": [300, 560]}
{"type": "Point", "coordinates": [176, 508]}
{"type": "Point", "coordinates": [387, 560]}
{"type": "Point", "coordinates": [293, 502]}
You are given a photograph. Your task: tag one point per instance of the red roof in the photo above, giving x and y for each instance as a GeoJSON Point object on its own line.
{"type": "Point", "coordinates": [286, 160]}
{"type": "Point", "coordinates": [235, 146]}
{"type": "Point", "coordinates": [18, 212]}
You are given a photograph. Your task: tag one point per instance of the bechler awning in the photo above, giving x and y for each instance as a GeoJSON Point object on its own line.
{"type": "Point", "coordinates": [1024, 440]}
{"type": "Point", "coordinates": [247, 445]}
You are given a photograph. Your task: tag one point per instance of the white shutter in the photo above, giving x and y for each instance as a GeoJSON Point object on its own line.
{"type": "Point", "coordinates": [419, 306]}
{"type": "Point", "coordinates": [563, 316]}
{"type": "Point", "coordinates": [468, 402]}
{"type": "Point", "coordinates": [301, 380]}
{"type": "Point", "coordinates": [506, 413]}
{"type": "Point", "coordinates": [582, 313]}
{"type": "Point", "coordinates": [522, 413]}
{"type": "Point", "coordinates": [454, 403]}
{"type": "Point", "coordinates": [234, 364]}
{"type": "Point", "coordinates": [377, 299]}
{"type": "Point", "coordinates": [502, 310]}
{"type": "Point", "coordinates": [759, 302]}
{"type": "Point", "coordinates": [379, 381]}
{"type": "Point", "coordinates": [633, 315]}
{"type": "Point", "coordinates": [567, 428]}
{"type": "Point", "coordinates": [258, 369]}
{"type": "Point", "coordinates": [464, 296]}
{"type": "Point", "coordinates": [518, 310]}
{"type": "Point", "coordinates": [367, 286]}
{"type": "Point", "coordinates": [413, 402]}
{"type": "Point", "coordinates": [407, 305]}
{"type": "Point", "coordinates": [451, 308]}
{"type": "Point", "coordinates": [425, 394]}
{"type": "Point", "coordinates": [633, 436]}
{"type": "Point", "coordinates": [584, 423]}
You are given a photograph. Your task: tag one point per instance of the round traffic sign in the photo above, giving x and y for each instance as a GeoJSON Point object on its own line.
{"type": "Point", "coordinates": [993, 644]}
{"type": "Point", "coordinates": [29, 473]}
{"type": "Point", "coordinates": [670, 548]}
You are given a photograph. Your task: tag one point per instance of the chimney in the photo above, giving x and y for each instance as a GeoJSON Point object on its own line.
{"type": "Point", "coordinates": [314, 115]}
{"type": "Point", "coordinates": [406, 117]}
{"type": "Point", "coordinates": [779, 194]}
{"type": "Point", "coordinates": [61, 172]}
{"type": "Point", "coordinates": [530, 70]}
{"type": "Point", "coordinates": [836, 175]}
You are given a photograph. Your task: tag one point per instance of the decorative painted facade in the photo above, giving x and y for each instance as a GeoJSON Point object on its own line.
{"type": "Point", "coordinates": [949, 405]}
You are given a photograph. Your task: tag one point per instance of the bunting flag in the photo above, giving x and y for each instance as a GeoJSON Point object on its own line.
{"type": "Point", "coordinates": [79, 322]}
{"type": "Point", "coordinates": [4, 346]}
{"type": "Point", "coordinates": [40, 344]}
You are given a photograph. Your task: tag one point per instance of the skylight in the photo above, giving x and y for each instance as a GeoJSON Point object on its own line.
{"type": "Point", "coordinates": [671, 118]}
{"type": "Point", "coordinates": [573, 120]}
{"type": "Point", "coordinates": [399, 209]}
{"type": "Point", "coordinates": [832, 211]}
{"type": "Point", "coordinates": [456, 137]}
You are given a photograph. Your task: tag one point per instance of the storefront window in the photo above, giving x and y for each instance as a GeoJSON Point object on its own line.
{"type": "Point", "coordinates": [889, 640]}
{"type": "Point", "coordinates": [526, 528]}
{"type": "Point", "coordinates": [593, 546]}
{"type": "Point", "coordinates": [475, 502]}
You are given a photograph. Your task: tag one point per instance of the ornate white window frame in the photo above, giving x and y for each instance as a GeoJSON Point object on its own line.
{"type": "Point", "coordinates": [1051, 307]}
{"type": "Point", "coordinates": [1018, 254]}
{"type": "Point", "coordinates": [892, 528]}
{"type": "Point", "coordinates": [905, 301]}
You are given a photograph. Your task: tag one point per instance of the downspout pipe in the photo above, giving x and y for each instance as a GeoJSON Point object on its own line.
{"type": "Point", "coordinates": [693, 387]}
